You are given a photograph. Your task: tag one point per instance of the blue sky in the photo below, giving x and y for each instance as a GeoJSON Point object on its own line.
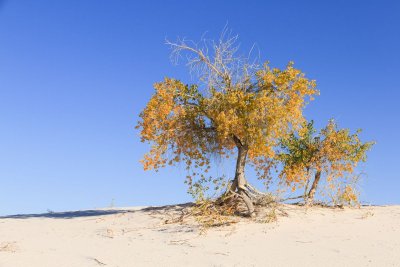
{"type": "Point", "coordinates": [74, 76]}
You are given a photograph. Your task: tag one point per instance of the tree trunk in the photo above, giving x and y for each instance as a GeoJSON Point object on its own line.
{"type": "Point", "coordinates": [311, 193]}
{"type": "Point", "coordinates": [239, 183]}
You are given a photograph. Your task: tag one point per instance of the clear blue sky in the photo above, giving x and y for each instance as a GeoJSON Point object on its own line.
{"type": "Point", "coordinates": [75, 74]}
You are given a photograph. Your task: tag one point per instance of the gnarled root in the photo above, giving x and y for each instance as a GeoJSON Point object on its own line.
{"type": "Point", "coordinates": [246, 194]}
{"type": "Point", "coordinates": [248, 202]}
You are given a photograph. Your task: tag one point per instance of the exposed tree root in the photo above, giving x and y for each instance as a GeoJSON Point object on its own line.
{"type": "Point", "coordinates": [229, 209]}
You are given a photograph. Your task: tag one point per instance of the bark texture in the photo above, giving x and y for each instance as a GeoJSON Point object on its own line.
{"type": "Point", "coordinates": [239, 184]}
{"type": "Point", "coordinates": [311, 193]}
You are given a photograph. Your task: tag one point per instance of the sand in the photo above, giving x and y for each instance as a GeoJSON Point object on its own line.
{"type": "Point", "coordinates": [369, 236]}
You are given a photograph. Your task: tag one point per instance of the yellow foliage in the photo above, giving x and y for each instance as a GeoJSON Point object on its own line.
{"type": "Point", "coordinates": [333, 152]}
{"type": "Point", "coordinates": [185, 124]}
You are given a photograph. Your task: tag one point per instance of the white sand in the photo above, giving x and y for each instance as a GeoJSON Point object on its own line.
{"type": "Point", "coordinates": [369, 236]}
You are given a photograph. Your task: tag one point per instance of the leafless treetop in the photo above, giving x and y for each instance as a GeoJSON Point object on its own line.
{"type": "Point", "coordinates": [216, 63]}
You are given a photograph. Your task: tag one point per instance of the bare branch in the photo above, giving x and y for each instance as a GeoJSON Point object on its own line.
{"type": "Point", "coordinates": [202, 57]}
{"type": "Point", "coordinates": [216, 63]}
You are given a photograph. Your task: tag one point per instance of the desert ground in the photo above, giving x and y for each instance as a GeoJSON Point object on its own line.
{"type": "Point", "coordinates": [144, 236]}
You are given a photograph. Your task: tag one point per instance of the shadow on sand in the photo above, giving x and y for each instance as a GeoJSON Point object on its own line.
{"type": "Point", "coordinates": [99, 212]}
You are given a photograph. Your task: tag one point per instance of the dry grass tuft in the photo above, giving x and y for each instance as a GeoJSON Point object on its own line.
{"type": "Point", "coordinates": [8, 247]}
{"type": "Point", "coordinates": [367, 215]}
{"type": "Point", "coordinates": [226, 211]}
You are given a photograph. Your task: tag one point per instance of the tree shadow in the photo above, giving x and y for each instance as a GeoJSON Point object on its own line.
{"type": "Point", "coordinates": [177, 207]}
{"type": "Point", "coordinates": [66, 214]}
{"type": "Point", "coordinates": [100, 212]}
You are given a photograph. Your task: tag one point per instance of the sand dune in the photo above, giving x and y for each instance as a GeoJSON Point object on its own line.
{"type": "Point", "coordinates": [369, 236]}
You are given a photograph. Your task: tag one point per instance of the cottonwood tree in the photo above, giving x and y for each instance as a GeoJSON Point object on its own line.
{"type": "Point", "coordinates": [234, 106]}
{"type": "Point", "coordinates": [332, 153]}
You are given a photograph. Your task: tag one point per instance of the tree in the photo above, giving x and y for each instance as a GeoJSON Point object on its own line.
{"type": "Point", "coordinates": [333, 152]}
{"type": "Point", "coordinates": [235, 105]}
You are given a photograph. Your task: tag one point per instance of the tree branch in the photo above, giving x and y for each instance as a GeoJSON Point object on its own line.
{"type": "Point", "coordinates": [198, 52]}
{"type": "Point", "coordinates": [237, 141]}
